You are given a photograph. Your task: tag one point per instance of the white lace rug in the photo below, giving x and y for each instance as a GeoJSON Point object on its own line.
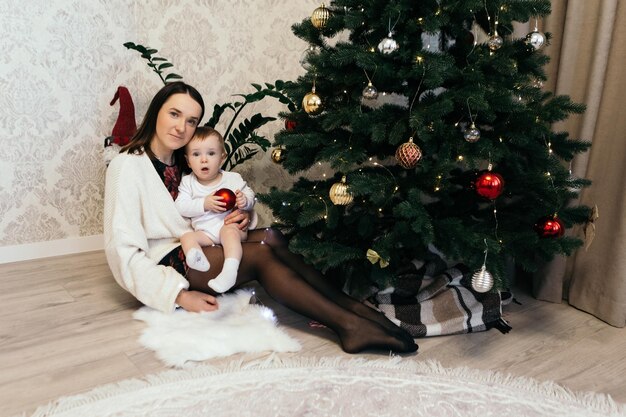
{"type": "Point", "coordinates": [332, 387]}
{"type": "Point", "coordinates": [237, 326]}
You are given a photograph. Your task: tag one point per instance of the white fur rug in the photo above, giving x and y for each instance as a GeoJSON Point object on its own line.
{"type": "Point", "coordinates": [332, 387]}
{"type": "Point", "coordinates": [237, 326]}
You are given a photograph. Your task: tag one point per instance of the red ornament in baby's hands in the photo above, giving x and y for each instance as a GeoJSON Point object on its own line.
{"type": "Point", "coordinates": [228, 197]}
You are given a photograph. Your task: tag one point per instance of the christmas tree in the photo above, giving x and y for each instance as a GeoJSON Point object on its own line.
{"type": "Point", "coordinates": [436, 141]}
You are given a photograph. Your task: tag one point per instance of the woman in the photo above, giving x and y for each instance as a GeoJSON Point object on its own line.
{"type": "Point", "coordinates": [142, 229]}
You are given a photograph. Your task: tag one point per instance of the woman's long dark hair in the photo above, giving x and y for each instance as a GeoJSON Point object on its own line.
{"type": "Point", "coordinates": [140, 142]}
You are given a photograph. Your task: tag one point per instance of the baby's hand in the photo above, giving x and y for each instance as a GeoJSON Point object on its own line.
{"type": "Point", "coordinates": [241, 199]}
{"type": "Point", "coordinates": [214, 203]}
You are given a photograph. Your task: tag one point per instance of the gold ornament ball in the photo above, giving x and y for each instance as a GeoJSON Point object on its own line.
{"type": "Point", "coordinates": [312, 103]}
{"type": "Point", "coordinates": [278, 155]}
{"type": "Point", "coordinates": [320, 17]}
{"type": "Point", "coordinates": [339, 194]}
{"type": "Point", "coordinates": [495, 42]}
{"type": "Point", "coordinates": [370, 92]}
{"type": "Point", "coordinates": [408, 154]}
{"type": "Point", "coordinates": [482, 280]}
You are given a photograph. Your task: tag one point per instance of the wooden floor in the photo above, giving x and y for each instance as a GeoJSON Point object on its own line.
{"type": "Point", "coordinates": [66, 327]}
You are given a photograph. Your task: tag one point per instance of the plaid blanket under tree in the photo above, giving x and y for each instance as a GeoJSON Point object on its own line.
{"type": "Point", "coordinates": [431, 299]}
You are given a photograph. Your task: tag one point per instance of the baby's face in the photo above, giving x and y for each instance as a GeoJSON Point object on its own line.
{"type": "Point", "coordinates": [205, 157]}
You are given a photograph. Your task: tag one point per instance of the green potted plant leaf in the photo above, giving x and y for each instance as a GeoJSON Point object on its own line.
{"type": "Point", "coordinates": [241, 139]}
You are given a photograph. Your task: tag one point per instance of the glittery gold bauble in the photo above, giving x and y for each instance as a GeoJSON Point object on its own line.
{"type": "Point", "coordinates": [339, 194]}
{"type": "Point", "coordinates": [495, 42]}
{"type": "Point", "coordinates": [408, 154]}
{"type": "Point", "coordinates": [312, 103]}
{"type": "Point", "coordinates": [482, 280]}
{"type": "Point", "coordinates": [320, 17]}
{"type": "Point", "coordinates": [278, 155]}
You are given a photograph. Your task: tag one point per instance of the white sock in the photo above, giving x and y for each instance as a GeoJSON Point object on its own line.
{"type": "Point", "coordinates": [196, 260]}
{"type": "Point", "coordinates": [226, 279]}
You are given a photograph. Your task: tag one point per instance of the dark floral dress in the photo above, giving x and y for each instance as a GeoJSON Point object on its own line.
{"type": "Point", "coordinates": [171, 175]}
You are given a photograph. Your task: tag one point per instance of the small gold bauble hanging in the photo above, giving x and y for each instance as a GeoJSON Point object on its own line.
{"type": "Point", "coordinates": [278, 155]}
{"type": "Point", "coordinates": [495, 41]}
{"type": "Point", "coordinates": [370, 92]}
{"type": "Point", "coordinates": [312, 103]}
{"type": "Point", "coordinates": [408, 154]}
{"type": "Point", "coordinates": [320, 17]}
{"type": "Point", "coordinates": [339, 194]}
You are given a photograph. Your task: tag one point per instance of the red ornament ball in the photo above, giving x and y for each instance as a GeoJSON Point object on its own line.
{"type": "Point", "coordinates": [290, 125]}
{"type": "Point", "coordinates": [489, 185]}
{"type": "Point", "coordinates": [228, 197]}
{"type": "Point", "coordinates": [549, 226]}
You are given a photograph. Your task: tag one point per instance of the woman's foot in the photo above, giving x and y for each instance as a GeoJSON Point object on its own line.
{"type": "Point", "coordinates": [378, 317]}
{"type": "Point", "coordinates": [366, 335]}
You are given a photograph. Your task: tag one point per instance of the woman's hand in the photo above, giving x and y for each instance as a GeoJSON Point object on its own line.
{"type": "Point", "coordinates": [242, 218]}
{"type": "Point", "coordinates": [196, 301]}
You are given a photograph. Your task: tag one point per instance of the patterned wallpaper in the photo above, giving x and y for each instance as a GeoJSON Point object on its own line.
{"type": "Point", "coordinates": [62, 61]}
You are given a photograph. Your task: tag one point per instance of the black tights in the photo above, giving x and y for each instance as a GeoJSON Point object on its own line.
{"type": "Point", "coordinates": [298, 286]}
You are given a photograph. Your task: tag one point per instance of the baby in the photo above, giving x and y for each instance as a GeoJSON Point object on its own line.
{"type": "Point", "coordinates": [205, 154]}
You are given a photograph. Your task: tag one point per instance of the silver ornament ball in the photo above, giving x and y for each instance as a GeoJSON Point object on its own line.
{"type": "Point", "coordinates": [388, 45]}
{"type": "Point", "coordinates": [312, 50]}
{"type": "Point", "coordinates": [471, 134]}
{"type": "Point", "coordinates": [482, 280]}
{"type": "Point", "coordinates": [536, 39]}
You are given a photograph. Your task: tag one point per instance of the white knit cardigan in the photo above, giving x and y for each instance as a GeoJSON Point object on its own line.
{"type": "Point", "coordinates": [141, 226]}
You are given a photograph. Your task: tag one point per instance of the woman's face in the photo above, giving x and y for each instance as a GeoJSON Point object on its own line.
{"type": "Point", "coordinates": [176, 123]}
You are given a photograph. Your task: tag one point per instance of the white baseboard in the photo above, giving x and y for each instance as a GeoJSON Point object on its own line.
{"type": "Point", "coordinates": [50, 248]}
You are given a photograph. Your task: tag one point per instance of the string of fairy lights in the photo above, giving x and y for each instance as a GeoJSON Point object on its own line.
{"type": "Point", "coordinates": [488, 184]}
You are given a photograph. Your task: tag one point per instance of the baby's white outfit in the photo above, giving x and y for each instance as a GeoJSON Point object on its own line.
{"type": "Point", "coordinates": [190, 202]}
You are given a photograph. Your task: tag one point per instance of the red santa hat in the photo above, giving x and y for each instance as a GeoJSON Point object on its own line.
{"type": "Point", "coordinates": [125, 126]}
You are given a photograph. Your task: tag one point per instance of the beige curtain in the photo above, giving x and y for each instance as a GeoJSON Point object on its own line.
{"type": "Point", "coordinates": [588, 53]}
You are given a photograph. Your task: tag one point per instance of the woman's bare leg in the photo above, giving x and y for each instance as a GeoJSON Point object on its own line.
{"type": "Point", "coordinates": [286, 286]}
{"type": "Point", "coordinates": [277, 241]}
